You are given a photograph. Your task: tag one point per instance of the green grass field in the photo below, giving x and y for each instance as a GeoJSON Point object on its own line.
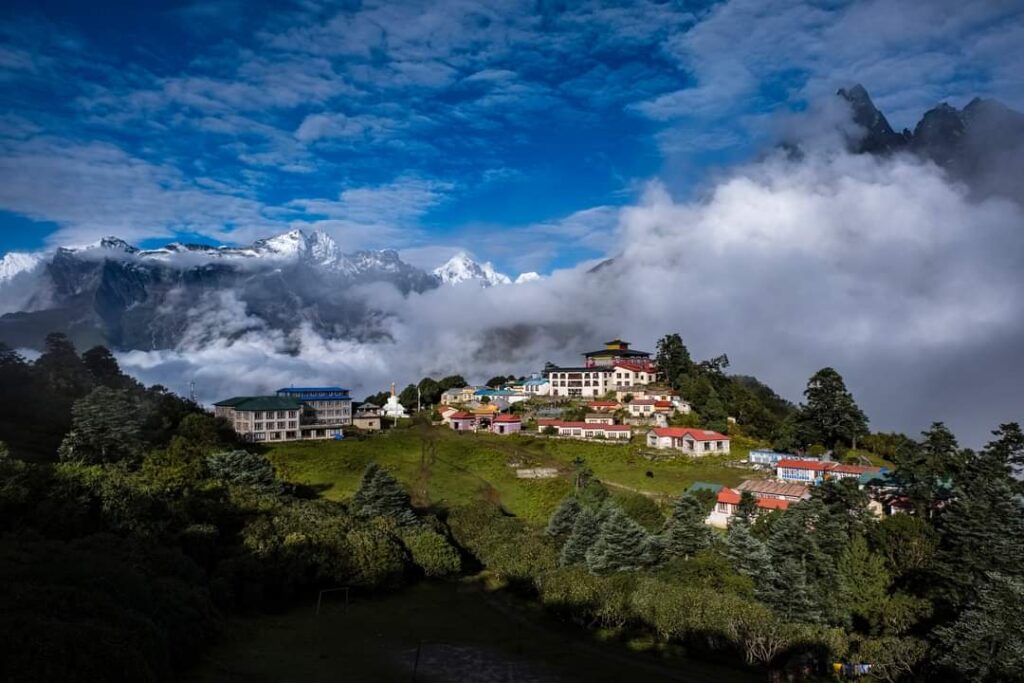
{"type": "Point", "coordinates": [442, 468]}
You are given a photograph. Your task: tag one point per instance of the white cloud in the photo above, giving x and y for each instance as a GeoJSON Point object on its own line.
{"type": "Point", "coordinates": [881, 268]}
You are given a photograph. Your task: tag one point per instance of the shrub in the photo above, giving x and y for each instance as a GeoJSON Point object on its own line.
{"type": "Point", "coordinates": [432, 552]}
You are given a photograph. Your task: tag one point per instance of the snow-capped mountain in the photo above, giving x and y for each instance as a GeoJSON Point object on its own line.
{"type": "Point", "coordinates": [461, 268]}
{"type": "Point", "coordinates": [114, 293]}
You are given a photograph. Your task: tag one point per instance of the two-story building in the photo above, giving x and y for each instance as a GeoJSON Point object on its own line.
{"type": "Point", "coordinates": [689, 440]}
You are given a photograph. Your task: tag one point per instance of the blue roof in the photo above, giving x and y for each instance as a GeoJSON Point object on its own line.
{"type": "Point", "coordinates": [494, 392]}
{"type": "Point", "coordinates": [536, 380]}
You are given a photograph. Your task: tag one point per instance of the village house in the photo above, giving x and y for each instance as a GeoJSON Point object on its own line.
{"type": "Point", "coordinates": [599, 419]}
{"type": "Point", "coordinates": [763, 456]}
{"type": "Point", "coordinates": [604, 406]}
{"type": "Point", "coordinates": [641, 407]}
{"type": "Point", "coordinates": [462, 421]}
{"type": "Point", "coordinates": [459, 395]}
{"type": "Point", "coordinates": [503, 396]}
{"type": "Point", "coordinates": [536, 386]}
{"type": "Point", "coordinates": [767, 488]}
{"type": "Point", "coordinates": [728, 501]}
{"type": "Point", "coordinates": [507, 424]}
{"type": "Point", "coordinates": [367, 417]}
{"type": "Point", "coordinates": [689, 440]}
{"type": "Point", "coordinates": [584, 430]}
{"type": "Point", "coordinates": [656, 394]}
{"type": "Point", "coordinates": [816, 471]}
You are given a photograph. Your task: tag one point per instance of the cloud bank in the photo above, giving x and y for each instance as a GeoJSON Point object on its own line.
{"type": "Point", "coordinates": [884, 268]}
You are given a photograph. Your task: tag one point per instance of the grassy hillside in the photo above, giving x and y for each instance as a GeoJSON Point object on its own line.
{"type": "Point", "coordinates": [442, 468]}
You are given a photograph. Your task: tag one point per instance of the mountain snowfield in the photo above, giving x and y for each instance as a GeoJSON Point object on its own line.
{"type": "Point", "coordinates": [462, 268]}
{"type": "Point", "coordinates": [317, 249]}
{"type": "Point", "coordinates": [112, 292]}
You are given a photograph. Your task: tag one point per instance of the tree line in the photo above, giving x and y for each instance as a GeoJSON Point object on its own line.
{"type": "Point", "coordinates": [132, 524]}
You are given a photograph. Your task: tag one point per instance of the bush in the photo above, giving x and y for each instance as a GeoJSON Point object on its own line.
{"type": "Point", "coordinates": [432, 552]}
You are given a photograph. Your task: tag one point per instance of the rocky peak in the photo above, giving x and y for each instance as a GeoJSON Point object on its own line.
{"type": "Point", "coordinates": [878, 134]}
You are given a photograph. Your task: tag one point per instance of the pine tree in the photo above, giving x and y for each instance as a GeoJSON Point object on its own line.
{"type": "Point", "coordinates": [686, 534]}
{"type": "Point", "coordinates": [747, 509]}
{"type": "Point", "coordinates": [619, 545]}
{"type": "Point", "coordinates": [863, 579]}
{"type": "Point", "coordinates": [380, 495]}
{"type": "Point", "coordinates": [986, 642]}
{"type": "Point", "coordinates": [831, 416]}
{"type": "Point", "coordinates": [673, 359]}
{"type": "Point", "coordinates": [563, 518]}
{"type": "Point", "coordinates": [585, 531]}
{"type": "Point", "coordinates": [980, 530]}
{"type": "Point", "coordinates": [105, 427]}
{"type": "Point", "coordinates": [800, 571]}
{"type": "Point", "coordinates": [748, 555]}
{"type": "Point", "coordinates": [243, 468]}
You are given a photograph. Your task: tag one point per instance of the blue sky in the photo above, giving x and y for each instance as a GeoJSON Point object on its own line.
{"type": "Point", "coordinates": [511, 129]}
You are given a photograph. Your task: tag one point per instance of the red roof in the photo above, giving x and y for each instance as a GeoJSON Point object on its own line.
{"type": "Point", "coordinates": [663, 404]}
{"type": "Point", "coordinates": [603, 404]}
{"type": "Point", "coordinates": [695, 434]}
{"type": "Point", "coordinates": [635, 367]}
{"type": "Point", "coordinates": [732, 497]}
{"type": "Point", "coordinates": [462, 416]}
{"type": "Point", "coordinates": [507, 418]}
{"type": "Point", "coordinates": [583, 425]}
{"type": "Point", "coordinates": [643, 402]}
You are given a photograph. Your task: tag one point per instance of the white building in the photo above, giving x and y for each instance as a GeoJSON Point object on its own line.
{"type": "Point", "coordinates": [537, 386]}
{"type": "Point", "coordinates": [586, 430]}
{"type": "Point", "coordinates": [580, 382]}
{"type": "Point", "coordinates": [689, 440]}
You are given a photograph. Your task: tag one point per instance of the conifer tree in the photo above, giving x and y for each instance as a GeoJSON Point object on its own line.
{"type": "Point", "coordinates": [380, 495]}
{"type": "Point", "coordinates": [980, 530]}
{"type": "Point", "coordinates": [748, 555]}
{"type": "Point", "coordinates": [585, 531]}
{"type": "Point", "coordinates": [800, 570]}
{"type": "Point", "coordinates": [986, 642]}
{"type": "Point", "coordinates": [863, 579]}
{"type": "Point", "coordinates": [105, 427]}
{"type": "Point", "coordinates": [831, 416]}
{"type": "Point", "coordinates": [563, 518]}
{"type": "Point", "coordinates": [619, 545]}
{"type": "Point", "coordinates": [747, 509]}
{"type": "Point", "coordinates": [243, 468]}
{"type": "Point", "coordinates": [685, 533]}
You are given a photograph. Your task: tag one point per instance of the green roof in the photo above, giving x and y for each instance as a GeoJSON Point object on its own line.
{"type": "Point", "coordinates": [704, 486]}
{"type": "Point", "coordinates": [247, 403]}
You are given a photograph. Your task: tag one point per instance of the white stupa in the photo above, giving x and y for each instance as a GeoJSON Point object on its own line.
{"type": "Point", "coordinates": [392, 408]}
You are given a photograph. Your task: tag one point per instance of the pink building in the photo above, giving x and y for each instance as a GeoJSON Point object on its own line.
{"type": "Point", "coordinates": [506, 424]}
{"type": "Point", "coordinates": [462, 422]}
